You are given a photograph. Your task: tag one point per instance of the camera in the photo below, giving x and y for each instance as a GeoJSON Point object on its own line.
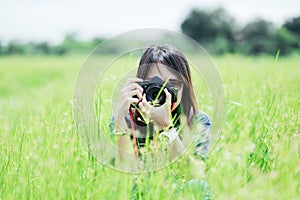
{"type": "Point", "coordinates": [153, 88]}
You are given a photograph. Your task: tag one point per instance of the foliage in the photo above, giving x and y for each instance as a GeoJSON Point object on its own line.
{"type": "Point", "coordinates": [293, 25]}
{"type": "Point", "coordinates": [42, 156]}
{"type": "Point", "coordinates": [258, 36]}
{"type": "Point", "coordinates": [69, 45]}
{"type": "Point", "coordinates": [217, 31]}
{"type": "Point", "coordinates": [210, 27]}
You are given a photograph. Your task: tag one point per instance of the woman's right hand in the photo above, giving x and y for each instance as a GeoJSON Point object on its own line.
{"type": "Point", "coordinates": [131, 93]}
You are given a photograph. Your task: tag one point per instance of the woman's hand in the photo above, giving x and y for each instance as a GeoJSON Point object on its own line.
{"type": "Point", "coordinates": [161, 115]}
{"type": "Point", "coordinates": [131, 93]}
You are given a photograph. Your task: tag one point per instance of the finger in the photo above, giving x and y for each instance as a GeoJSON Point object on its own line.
{"type": "Point", "coordinates": [140, 95]}
{"type": "Point", "coordinates": [168, 97]}
{"type": "Point", "coordinates": [135, 93]}
{"type": "Point", "coordinates": [134, 86]}
{"type": "Point", "coordinates": [132, 101]}
{"type": "Point", "coordinates": [133, 80]}
{"type": "Point", "coordinates": [144, 98]}
{"type": "Point", "coordinates": [145, 103]}
{"type": "Point", "coordinates": [135, 101]}
{"type": "Point", "coordinates": [141, 108]}
{"type": "Point", "coordinates": [144, 111]}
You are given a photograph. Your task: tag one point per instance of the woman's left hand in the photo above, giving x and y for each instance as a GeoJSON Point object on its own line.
{"type": "Point", "coordinates": [161, 115]}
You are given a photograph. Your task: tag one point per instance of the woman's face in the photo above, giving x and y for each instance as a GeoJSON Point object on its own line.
{"type": "Point", "coordinates": [164, 72]}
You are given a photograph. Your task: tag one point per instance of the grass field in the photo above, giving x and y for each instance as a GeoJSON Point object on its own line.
{"type": "Point", "coordinates": [256, 157]}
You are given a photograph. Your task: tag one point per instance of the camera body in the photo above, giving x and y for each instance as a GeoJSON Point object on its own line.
{"type": "Point", "coordinates": [153, 87]}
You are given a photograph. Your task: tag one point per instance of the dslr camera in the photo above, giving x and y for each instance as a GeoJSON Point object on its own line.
{"type": "Point", "coordinates": [153, 88]}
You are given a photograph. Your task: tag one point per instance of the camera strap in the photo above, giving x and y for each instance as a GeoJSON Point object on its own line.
{"type": "Point", "coordinates": [133, 134]}
{"type": "Point", "coordinates": [173, 107]}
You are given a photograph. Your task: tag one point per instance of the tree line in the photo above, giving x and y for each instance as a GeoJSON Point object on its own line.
{"type": "Point", "coordinates": [70, 44]}
{"type": "Point", "coordinates": [216, 30]}
{"type": "Point", "coordinates": [219, 32]}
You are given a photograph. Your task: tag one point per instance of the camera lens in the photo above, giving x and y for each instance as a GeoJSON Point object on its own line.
{"type": "Point", "coordinates": [152, 92]}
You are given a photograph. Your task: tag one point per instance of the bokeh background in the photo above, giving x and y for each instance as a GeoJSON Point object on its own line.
{"type": "Point", "coordinates": [221, 26]}
{"type": "Point", "coordinates": [254, 44]}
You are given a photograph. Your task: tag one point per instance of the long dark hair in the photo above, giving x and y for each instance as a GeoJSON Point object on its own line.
{"type": "Point", "coordinates": [173, 58]}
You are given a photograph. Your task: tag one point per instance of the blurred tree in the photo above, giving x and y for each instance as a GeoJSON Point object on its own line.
{"type": "Point", "coordinates": [14, 48]}
{"type": "Point", "coordinates": [1, 49]}
{"type": "Point", "coordinates": [214, 29]}
{"type": "Point", "coordinates": [289, 37]}
{"type": "Point", "coordinates": [70, 41]}
{"type": "Point", "coordinates": [293, 25]}
{"type": "Point", "coordinates": [42, 48]}
{"type": "Point", "coordinates": [72, 44]}
{"type": "Point", "coordinates": [97, 40]}
{"type": "Point", "coordinates": [286, 41]}
{"type": "Point", "coordinates": [258, 36]}
{"type": "Point", "coordinates": [60, 50]}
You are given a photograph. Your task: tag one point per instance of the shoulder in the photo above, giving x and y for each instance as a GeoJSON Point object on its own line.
{"type": "Point", "coordinates": [202, 118]}
{"type": "Point", "coordinates": [202, 134]}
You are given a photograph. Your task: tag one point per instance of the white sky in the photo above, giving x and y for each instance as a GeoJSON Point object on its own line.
{"type": "Point", "coordinates": [39, 20]}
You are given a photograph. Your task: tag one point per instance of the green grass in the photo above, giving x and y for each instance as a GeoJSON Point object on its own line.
{"type": "Point", "coordinates": [42, 157]}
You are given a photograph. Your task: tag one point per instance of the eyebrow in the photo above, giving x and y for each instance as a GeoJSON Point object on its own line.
{"type": "Point", "coordinates": [171, 79]}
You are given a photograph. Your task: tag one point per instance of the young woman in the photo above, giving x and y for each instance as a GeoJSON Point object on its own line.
{"type": "Point", "coordinates": [135, 115]}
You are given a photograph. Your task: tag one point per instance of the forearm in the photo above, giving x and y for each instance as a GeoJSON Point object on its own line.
{"type": "Point", "coordinates": [197, 167]}
{"type": "Point", "coordinates": [120, 122]}
{"type": "Point", "coordinates": [177, 148]}
{"type": "Point", "coordinates": [125, 156]}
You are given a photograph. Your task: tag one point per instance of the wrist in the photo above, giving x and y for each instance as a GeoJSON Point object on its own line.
{"type": "Point", "coordinates": [171, 135]}
{"type": "Point", "coordinates": [120, 132]}
{"type": "Point", "coordinates": [120, 122]}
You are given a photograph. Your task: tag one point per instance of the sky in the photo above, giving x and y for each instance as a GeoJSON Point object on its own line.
{"type": "Point", "coordinates": [51, 20]}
